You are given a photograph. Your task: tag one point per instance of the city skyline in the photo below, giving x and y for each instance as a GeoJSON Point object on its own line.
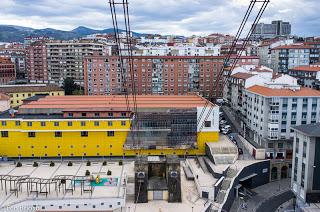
{"type": "Point", "coordinates": [183, 17]}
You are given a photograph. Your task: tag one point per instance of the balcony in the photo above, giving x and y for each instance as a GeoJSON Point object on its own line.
{"type": "Point", "coordinates": [274, 118]}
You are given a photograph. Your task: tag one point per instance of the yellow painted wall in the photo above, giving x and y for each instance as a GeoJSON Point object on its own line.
{"type": "Point", "coordinates": [16, 98]}
{"type": "Point", "coordinates": [72, 144]}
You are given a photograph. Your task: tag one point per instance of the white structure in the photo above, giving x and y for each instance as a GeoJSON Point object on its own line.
{"type": "Point", "coordinates": [306, 164]}
{"type": "Point", "coordinates": [183, 50]}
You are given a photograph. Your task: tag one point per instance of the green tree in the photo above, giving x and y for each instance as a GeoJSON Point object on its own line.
{"type": "Point", "coordinates": [69, 86]}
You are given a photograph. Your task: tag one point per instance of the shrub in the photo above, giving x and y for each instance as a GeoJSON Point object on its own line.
{"type": "Point", "coordinates": [87, 173]}
{"type": "Point", "coordinates": [109, 172]}
{"type": "Point", "coordinates": [19, 164]}
{"type": "Point", "coordinates": [69, 163]}
{"type": "Point", "coordinates": [104, 163]}
{"type": "Point", "coordinates": [51, 163]}
{"type": "Point", "coordinates": [35, 164]}
{"type": "Point", "coordinates": [88, 163]}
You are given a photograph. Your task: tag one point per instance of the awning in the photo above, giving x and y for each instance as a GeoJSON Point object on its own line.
{"type": "Point", "coordinates": [248, 177]}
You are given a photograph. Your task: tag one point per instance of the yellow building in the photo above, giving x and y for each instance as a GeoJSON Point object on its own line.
{"type": "Point", "coordinates": [18, 93]}
{"type": "Point", "coordinates": [64, 126]}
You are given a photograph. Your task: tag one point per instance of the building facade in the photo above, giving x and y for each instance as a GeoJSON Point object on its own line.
{"type": "Point", "coordinates": [287, 57]}
{"type": "Point", "coordinates": [271, 112]}
{"type": "Point", "coordinates": [165, 75]}
{"type": "Point", "coordinates": [306, 164]}
{"type": "Point", "coordinates": [308, 76]}
{"type": "Point", "coordinates": [4, 102]}
{"type": "Point", "coordinates": [77, 126]}
{"type": "Point", "coordinates": [18, 93]}
{"type": "Point", "coordinates": [36, 61]}
{"type": "Point", "coordinates": [65, 59]}
{"type": "Point", "coordinates": [7, 70]}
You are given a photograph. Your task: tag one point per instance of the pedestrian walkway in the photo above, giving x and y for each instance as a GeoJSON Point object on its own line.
{"type": "Point", "coordinates": [264, 192]}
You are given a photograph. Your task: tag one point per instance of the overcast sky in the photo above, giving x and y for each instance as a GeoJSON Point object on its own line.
{"type": "Point", "coordinates": [184, 17]}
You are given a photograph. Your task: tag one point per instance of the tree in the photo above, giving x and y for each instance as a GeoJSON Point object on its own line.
{"type": "Point", "coordinates": [69, 86]}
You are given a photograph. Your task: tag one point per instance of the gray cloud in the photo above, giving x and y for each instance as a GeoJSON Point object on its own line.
{"type": "Point", "coordinates": [185, 17]}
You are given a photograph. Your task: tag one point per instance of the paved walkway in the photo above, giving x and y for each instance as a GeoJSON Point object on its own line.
{"type": "Point", "coordinates": [264, 193]}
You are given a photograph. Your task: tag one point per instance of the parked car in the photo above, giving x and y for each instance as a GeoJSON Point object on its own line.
{"type": "Point", "coordinates": [227, 127]}
{"type": "Point", "coordinates": [225, 131]}
{"type": "Point", "coordinates": [240, 151]}
{"type": "Point", "coordinates": [223, 122]}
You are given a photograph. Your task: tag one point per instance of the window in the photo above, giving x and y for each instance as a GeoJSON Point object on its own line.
{"type": "Point", "coordinates": [84, 133]}
{"type": "Point", "coordinates": [96, 123]}
{"type": "Point", "coordinates": [297, 145]}
{"type": "Point", "coordinates": [109, 123]}
{"type": "Point", "coordinates": [56, 124]}
{"type": "Point", "coordinates": [96, 114]}
{"type": "Point", "coordinates": [123, 123]}
{"type": "Point", "coordinates": [280, 145]}
{"type": "Point", "coordinates": [304, 153]}
{"type": "Point", "coordinates": [110, 133]}
{"type": "Point", "coordinates": [58, 134]}
{"type": "Point", "coordinates": [29, 124]}
{"type": "Point", "coordinates": [4, 134]}
{"type": "Point", "coordinates": [84, 114]}
{"type": "Point", "coordinates": [70, 114]}
{"type": "Point", "coordinates": [207, 123]}
{"type": "Point", "coordinates": [4, 123]}
{"type": "Point", "coordinates": [270, 145]}
{"type": "Point", "coordinates": [110, 114]}
{"type": "Point", "coordinates": [123, 114]}
{"type": "Point", "coordinates": [43, 124]}
{"type": "Point", "coordinates": [69, 123]}
{"type": "Point", "coordinates": [18, 123]}
{"type": "Point", "coordinates": [83, 123]}
{"type": "Point", "coordinates": [31, 134]}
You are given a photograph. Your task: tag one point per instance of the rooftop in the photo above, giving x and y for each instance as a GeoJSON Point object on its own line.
{"type": "Point", "coordinates": [311, 68]}
{"type": "Point", "coordinates": [265, 91]}
{"type": "Point", "coordinates": [29, 88]}
{"type": "Point", "coordinates": [242, 75]}
{"type": "Point", "coordinates": [312, 130]}
{"type": "Point", "coordinates": [116, 102]}
{"type": "Point", "coordinates": [293, 46]}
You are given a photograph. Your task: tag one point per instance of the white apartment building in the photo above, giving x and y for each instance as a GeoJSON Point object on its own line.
{"type": "Point", "coordinates": [65, 59]}
{"type": "Point", "coordinates": [183, 50]}
{"type": "Point", "coordinates": [305, 181]}
{"type": "Point", "coordinates": [271, 110]}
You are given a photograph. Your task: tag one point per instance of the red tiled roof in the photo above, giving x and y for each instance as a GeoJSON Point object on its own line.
{"type": "Point", "coordinates": [4, 97]}
{"type": "Point", "coordinates": [293, 46]}
{"type": "Point", "coordinates": [242, 75]}
{"type": "Point", "coordinates": [265, 91]}
{"type": "Point", "coordinates": [306, 68]}
{"type": "Point", "coordinates": [117, 102]}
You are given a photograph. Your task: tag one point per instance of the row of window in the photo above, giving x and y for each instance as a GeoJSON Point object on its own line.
{"type": "Point", "coordinates": [5, 134]}
{"type": "Point", "coordinates": [110, 114]}
{"type": "Point", "coordinates": [56, 123]}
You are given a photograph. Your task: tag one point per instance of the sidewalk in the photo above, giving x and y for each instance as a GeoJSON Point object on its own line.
{"type": "Point", "coordinates": [264, 192]}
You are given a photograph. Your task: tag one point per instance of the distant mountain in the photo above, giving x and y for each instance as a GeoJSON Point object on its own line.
{"type": "Point", "coordinates": [11, 33]}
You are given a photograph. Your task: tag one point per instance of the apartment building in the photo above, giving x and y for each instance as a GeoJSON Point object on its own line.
{"type": "Point", "coordinates": [271, 111]}
{"type": "Point", "coordinates": [36, 61]}
{"type": "Point", "coordinates": [65, 59]}
{"type": "Point", "coordinates": [308, 76]}
{"type": "Point", "coordinates": [306, 164]}
{"type": "Point", "coordinates": [7, 70]}
{"type": "Point", "coordinates": [166, 75]}
{"type": "Point", "coordinates": [18, 57]}
{"type": "Point", "coordinates": [287, 57]}
{"type": "Point", "coordinates": [178, 50]}
{"type": "Point", "coordinates": [18, 93]}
